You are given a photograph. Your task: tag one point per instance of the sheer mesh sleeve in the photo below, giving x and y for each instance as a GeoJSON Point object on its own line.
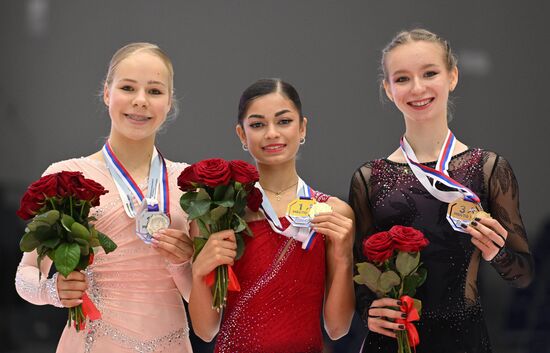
{"type": "Point", "coordinates": [359, 202]}
{"type": "Point", "coordinates": [514, 263]}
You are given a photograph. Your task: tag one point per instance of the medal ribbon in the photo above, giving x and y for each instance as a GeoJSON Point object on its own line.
{"type": "Point", "coordinates": [439, 174]}
{"type": "Point", "coordinates": [127, 187]}
{"type": "Point", "coordinates": [303, 234]}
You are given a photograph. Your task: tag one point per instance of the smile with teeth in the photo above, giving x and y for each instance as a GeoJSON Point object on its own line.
{"type": "Point", "coordinates": [274, 147]}
{"type": "Point", "coordinates": [136, 117]}
{"type": "Point", "coordinates": [421, 103]}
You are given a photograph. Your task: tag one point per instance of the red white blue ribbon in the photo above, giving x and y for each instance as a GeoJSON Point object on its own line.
{"type": "Point", "coordinates": [305, 235]}
{"type": "Point", "coordinates": [439, 174]}
{"type": "Point", "coordinates": [157, 186]}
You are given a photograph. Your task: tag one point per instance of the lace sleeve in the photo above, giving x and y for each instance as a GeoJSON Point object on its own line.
{"type": "Point", "coordinates": [36, 289]}
{"type": "Point", "coordinates": [359, 202]}
{"type": "Point", "coordinates": [514, 263]}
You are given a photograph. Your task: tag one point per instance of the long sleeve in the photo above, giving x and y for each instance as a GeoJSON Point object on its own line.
{"type": "Point", "coordinates": [181, 274]}
{"type": "Point", "coordinates": [514, 263]}
{"type": "Point", "coordinates": [360, 203]}
{"type": "Point", "coordinates": [36, 289]}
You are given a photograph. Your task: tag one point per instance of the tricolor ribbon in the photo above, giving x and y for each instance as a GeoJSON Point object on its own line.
{"type": "Point", "coordinates": [305, 235]}
{"type": "Point", "coordinates": [407, 307]}
{"type": "Point", "coordinates": [157, 187]}
{"type": "Point", "coordinates": [439, 174]}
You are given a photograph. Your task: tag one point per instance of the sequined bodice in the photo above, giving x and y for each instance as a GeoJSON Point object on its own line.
{"type": "Point", "coordinates": [385, 193]}
{"type": "Point", "coordinates": [279, 306]}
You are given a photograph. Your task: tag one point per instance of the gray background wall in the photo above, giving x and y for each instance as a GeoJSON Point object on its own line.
{"type": "Point", "coordinates": [54, 55]}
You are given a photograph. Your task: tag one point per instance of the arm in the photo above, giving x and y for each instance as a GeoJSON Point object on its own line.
{"type": "Point", "coordinates": [339, 303]}
{"type": "Point", "coordinates": [28, 285]}
{"type": "Point", "coordinates": [220, 249]}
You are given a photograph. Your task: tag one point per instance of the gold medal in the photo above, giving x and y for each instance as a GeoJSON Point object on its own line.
{"type": "Point", "coordinates": [298, 212]}
{"type": "Point", "coordinates": [462, 212]}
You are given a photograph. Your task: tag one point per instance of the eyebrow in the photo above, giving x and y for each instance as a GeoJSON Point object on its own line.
{"type": "Point", "coordinates": [398, 72]}
{"type": "Point", "coordinates": [263, 117]}
{"type": "Point", "coordinates": [152, 82]}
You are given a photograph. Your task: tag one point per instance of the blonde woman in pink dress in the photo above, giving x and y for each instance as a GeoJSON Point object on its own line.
{"type": "Point", "coordinates": [138, 288]}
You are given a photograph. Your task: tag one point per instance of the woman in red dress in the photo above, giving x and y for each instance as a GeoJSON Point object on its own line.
{"type": "Point", "coordinates": [288, 277]}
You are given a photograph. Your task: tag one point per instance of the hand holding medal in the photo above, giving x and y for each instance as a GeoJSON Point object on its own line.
{"type": "Point", "coordinates": [488, 235]}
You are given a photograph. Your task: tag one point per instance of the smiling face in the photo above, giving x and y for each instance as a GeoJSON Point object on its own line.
{"type": "Point", "coordinates": [271, 128]}
{"type": "Point", "coordinates": [418, 80]}
{"type": "Point", "coordinates": [138, 96]}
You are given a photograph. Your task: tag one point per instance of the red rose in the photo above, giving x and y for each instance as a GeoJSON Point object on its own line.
{"type": "Point", "coordinates": [378, 247]}
{"type": "Point", "coordinates": [213, 172]}
{"type": "Point", "coordinates": [36, 194]}
{"type": "Point", "coordinates": [408, 239]}
{"type": "Point", "coordinates": [244, 173]}
{"type": "Point", "coordinates": [29, 207]}
{"type": "Point", "coordinates": [88, 190]}
{"type": "Point", "coordinates": [254, 199]}
{"type": "Point", "coordinates": [67, 182]}
{"type": "Point", "coordinates": [187, 178]}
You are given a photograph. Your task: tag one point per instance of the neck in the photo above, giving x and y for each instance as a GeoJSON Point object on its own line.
{"type": "Point", "coordinates": [278, 177]}
{"type": "Point", "coordinates": [426, 138]}
{"type": "Point", "coordinates": [134, 155]}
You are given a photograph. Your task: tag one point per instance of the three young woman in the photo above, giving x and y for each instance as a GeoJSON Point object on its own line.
{"type": "Point", "coordinates": [419, 72]}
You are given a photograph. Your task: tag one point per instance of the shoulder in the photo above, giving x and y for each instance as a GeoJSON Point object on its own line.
{"type": "Point", "coordinates": [175, 167]}
{"type": "Point", "coordinates": [71, 165]}
{"type": "Point", "coordinates": [340, 207]}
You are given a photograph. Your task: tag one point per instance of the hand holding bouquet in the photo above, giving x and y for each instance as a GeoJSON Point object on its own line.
{"type": "Point", "coordinates": [394, 270]}
{"type": "Point", "coordinates": [58, 205]}
{"type": "Point", "coordinates": [217, 193]}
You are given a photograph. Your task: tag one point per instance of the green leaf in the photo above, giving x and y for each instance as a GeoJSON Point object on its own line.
{"type": "Point", "coordinates": [418, 305]}
{"type": "Point", "coordinates": [106, 243]}
{"type": "Point", "coordinates": [198, 208]}
{"type": "Point", "coordinates": [84, 262]}
{"type": "Point", "coordinates": [368, 275]}
{"type": "Point", "coordinates": [240, 246]}
{"type": "Point", "coordinates": [388, 280]}
{"type": "Point", "coordinates": [35, 224]}
{"type": "Point", "coordinates": [67, 221]}
{"type": "Point", "coordinates": [217, 213]}
{"type": "Point", "coordinates": [240, 202]}
{"type": "Point", "coordinates": [94, 242]}
{"type": "Point", "coordinates": [79, 231]}
{"type": "Point", "coordinates": [44, 233]}
{"type": "Point", "coordinates": [238, 224]}
{"type": "Point", "coordinates": [49, 217]}
{"type": "Point", "coordinates": [203, 195]}
{"type": "Point", "coordinates": [422, 274]}
{"type": "Point", "coordinates": [203, 228]}
{"type": "Point", "coordinates": [187, 198]}
{"type": "Point", "coordinates": [51, 243]}
{"type": "Point", "coordinates": [248, 231]}
{"type": "Point", "coordinates": [66, 258]}
{"type": "Point", "coordinates": [219, 192]}
{"type": "Point", "coordinates": [406, 262]}
{"type": "Point", "coordinates": [28, 242]}
{"type": "Point", "coordinates": [198, 243]}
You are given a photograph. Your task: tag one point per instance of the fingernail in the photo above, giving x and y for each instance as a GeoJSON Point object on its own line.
{"type": "Point", "coordinates": [399, 302]}
{"type": "Point", "coordinates": [403, 315]}
{"type": "Point", "coordinates": [477, 219]}
{"type": "Point", "coordinates": [402, 327]}
{"type": "Point", "coordinates": [154, 241]}
{"type": "Point", "coordinates": [463, 225]}
{"type": "Point", "coordinates": [474, 223]}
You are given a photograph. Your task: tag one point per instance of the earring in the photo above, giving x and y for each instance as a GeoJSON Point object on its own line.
{"type": "Point", "coordinates": [302, 140]}
{"type": "Point", "coordinates": [245, 147]}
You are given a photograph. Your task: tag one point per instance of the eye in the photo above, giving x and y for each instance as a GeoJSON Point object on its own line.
{"type": "Point", "coordinates": [127, 88]}
{"type": "Point", "coordinates": [430, 74]}
{"type": "Point", "coordinates": [401, 79]}
{"type": "Point", "coordinates": [155, 91]}
{"type": "Point", "coordinates": [256, 125]}
{"type": "Point", "coordinates": [285, 121]}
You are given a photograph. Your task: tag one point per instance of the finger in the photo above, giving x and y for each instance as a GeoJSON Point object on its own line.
{"type": "Point", "coordinates": [72, 285]}
{"type": "Point", "coordinates": [487, 252]}
{"type": "Point", "coordinates": [173, 233]}
{"type": "Point", "coordinates": [387, 312]}
{"type": "Point", "coordinates": [71, 303]}
{"type": "Point", "coordinates": [495, 226]}
{"type": "Point", "coordinates": [489, 236]}
{"type": "Point", "coordinates": [216, 243]}
{"type": "Point", "coordinates": [70, 294]}
{"type": "Point", "coordinates": [382, 326]}
{"type": "Point", "coordinates": [382, 302]}
{"type": "Point", "coordinates": [73, 276]}
{"type": "Point", "coordinates": [224, 235]}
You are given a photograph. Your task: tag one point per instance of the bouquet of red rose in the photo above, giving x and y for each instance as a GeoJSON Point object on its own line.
{"type": "Point", "coordinates": [395, 271]}
{"type": "Point", "coordinates": [217, 193]}
{"type": "Point", "coordinates": [58, 205]}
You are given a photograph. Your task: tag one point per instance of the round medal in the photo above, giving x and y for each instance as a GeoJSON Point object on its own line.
{"type": "Point", "coordinates": [156, 222]}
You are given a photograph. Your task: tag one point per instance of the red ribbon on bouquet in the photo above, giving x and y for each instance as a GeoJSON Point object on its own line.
{"type": "Point", "coordinates": [232, 284]}
{"type": "Point", "coordinates": [408, 308]}
{"type": "Point", "coordinates": [88, 307]}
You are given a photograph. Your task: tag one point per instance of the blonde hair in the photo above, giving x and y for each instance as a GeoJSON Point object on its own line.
{"type": "Point", "coordinates": [134, 48]}
{"type": "Point", "coordinates": [416, 35]}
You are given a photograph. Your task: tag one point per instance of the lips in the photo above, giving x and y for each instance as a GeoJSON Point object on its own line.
{"type": "Point", "coordinates": [274, 148]}
{"type": "Point", "coordinates": [138, 117]}
{"type": "Point", "coordinates": [421, 103]}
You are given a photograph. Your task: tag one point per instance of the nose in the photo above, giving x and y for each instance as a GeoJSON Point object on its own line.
{"type": "Point", "coordinates": [417, 85]}
{"type": "Point", "coordinates": [140, 99]}
{"type": "Point", "coordinates": [272, 131]}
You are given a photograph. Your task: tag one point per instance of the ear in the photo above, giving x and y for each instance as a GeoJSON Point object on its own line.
{"type": "Point", "coordinates": [387, 90]}
{"type": "Point", "coordinates": [240, 133]}
{"type": "Point", "coordinates": [454, 79]}
{"type": "Point", "coordinates": [303, 127]}
{"type": "Point", "coordinates": [106, 94]}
